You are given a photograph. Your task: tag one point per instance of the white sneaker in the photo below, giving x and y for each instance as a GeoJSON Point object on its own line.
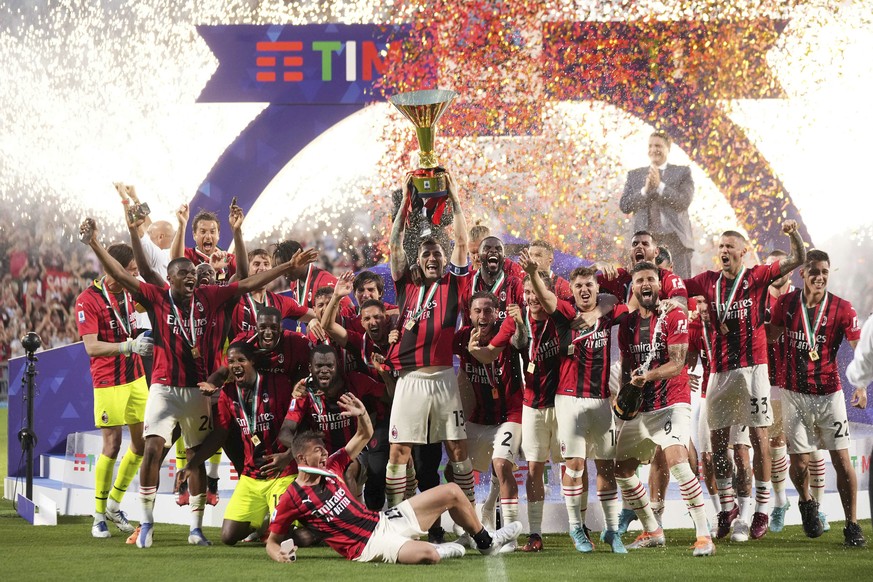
{"type": "Point", "coordinates": [465, 540]}
{"type": "Point", "coordinates": [450, 550]}
{"type": "Point", "coordinates": [100, 530]}
{"type": "Point", "coordinates": [196, 538]}
{"type": "Point", "coordinates": [503, 536]}
{"type": "Point", "coordinates": [508, 548]}
{"type": "Point", "coordinates": [740, 531]}
{"type": "Point", "coordinates": [146, 533]}
{"type": "Point", "coordinates": [119, 518]}
{"type": "Point", "coordinates": [489, 521]}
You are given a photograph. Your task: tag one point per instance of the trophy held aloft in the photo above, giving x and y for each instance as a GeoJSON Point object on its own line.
{"type": "Point", "coordinates": [429, 183]}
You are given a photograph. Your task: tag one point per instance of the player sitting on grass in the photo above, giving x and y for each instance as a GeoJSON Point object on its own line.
{"type": "Point", "coordinates": [320, 499]}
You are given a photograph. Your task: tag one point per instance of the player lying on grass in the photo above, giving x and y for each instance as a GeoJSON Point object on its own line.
{"type": "Point", "coordinates": [320, 500]}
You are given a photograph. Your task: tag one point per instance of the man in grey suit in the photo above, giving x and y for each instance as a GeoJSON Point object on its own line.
{"type": "Point", "coordinates": [659, 196]}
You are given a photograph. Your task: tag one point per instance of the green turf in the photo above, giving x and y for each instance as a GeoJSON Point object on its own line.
{"type": "Point", "coordinates": [68, 552]}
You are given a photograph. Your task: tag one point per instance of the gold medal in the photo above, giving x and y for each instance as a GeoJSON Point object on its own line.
{"type": "Point", "coordinates": [410, 324]}
{"type": "Point", "coordinates": [723, 329]}
{"type": "Point", "coordinates": [571, 349]}
{"type": "Point", "coordinates": [531, 368]}
{"type": "Point", "coordinates": [195, 351]}
{"type": "Point", "coordinates": [494, 393]}
{"type": "Point", "coordinates": [813, 355]}
{"type": "Point", "coordinates": [255, 440]}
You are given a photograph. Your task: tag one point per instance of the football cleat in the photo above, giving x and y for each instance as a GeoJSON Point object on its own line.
{"type": "Point", "coordinates": [131, 539]}
{"type": "Point", "coordinates": [654, 539]}
{"type": "Point", "coordinates": [759, 528]}
{"type": "Point", "coordinates": [501, 537]}
{"type": "Point", "coordinates": [146, 533]}
{"type": "Point", "coordinates": [725, 519]}
{"type": "Point", "coordinates": [809, 514]}
{"type": "Point", "coordinates": [703, 547]}
{"type": "Point", "coordinates": [853, 536]}
{"type": "Point", "coordinates": [450, 550]}
{"type": "Point", "coordinates": [624, 520]}
{"type": "Point", "coordinates": [823, 517]}
{"type": "Point", "coordinates": [614, 540]}
{"type": "Point", "coordinates": [777, 517]}
{"type": "Point", "coordinates": [196, 538]}
{"type": "Point", "coordinates": [580, 540]}
{"type": "Point", "coordinates": [119, 518]}
{"type": "Point", "coordinates": [534, 543]}
{"type": "Point", "coordinates": [740, 531]}
{"type": "Point", "coordinates": [182, 495]}
{"type": "Point", "coordinates": [100, 530]}
{"type": "Point", "coordinates": [212, 491]}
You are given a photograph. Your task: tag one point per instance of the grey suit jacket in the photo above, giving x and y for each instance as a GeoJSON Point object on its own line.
{"type": "Point", "coordinates": [673, 203]}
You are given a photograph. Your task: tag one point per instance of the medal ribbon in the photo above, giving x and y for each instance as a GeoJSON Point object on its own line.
{"type": "Point", "coordinates": [191, 340]}
{"type": "Point", "coordinates": [492, 379]}
{"type": "Point", "coordinates": [494, 287]}
{"type": "Point", "coordinates": [251, 423]}
{"type": "Point", "coordinates": [586, 335]}
{"type": "Point", "coordinates": [301, 297]}
{"type": "Point", "coordinates": [253, 303]}
{"type": "Point", "coordinates": [812, 334]}
{"type": "Point", "coordinates": [725, 307]}
{"type": "Point", "coordinates": [422, 303]}
{"type": "Point", "coordinates": [125, 322]}
{"type": "Point", "coordinates": [531, 351]}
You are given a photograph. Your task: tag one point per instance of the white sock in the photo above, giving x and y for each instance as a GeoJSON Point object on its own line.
{"type": "Point", "coordinates": [509, 509]}
{"type": "Point", "coordinates": [535, 516]}
{"type": "Point", "coordinates": [779, 474]}
{"type": "Point", "coordinates": [611, 507]}
{"type": "Point", "coordinates": [573, 495]}
{"type": "Point", "coordinates": [716, 502]}
{"type": "Point", "coordinates": [745, 504]}
{"type": "Point", "coordinates": [147, 499]}
{"type": "Point", "coordinates": [658, 509]}
{"type": "Point", "coordinates": [692, 493]}
{"type": "Point", "coordinates": [762, 496]}
{"type": "Point", "coordinates": [490, 506]}
{"type": "Point", "coordinates": [112, 506]}
{"type": "Point", "coordinates": [463, 471]}
{"type": "Point", "coordinates": [726, 493]}
{"type": "Point", "coordinates": [395, 483]}
{"type": "Point", "coordinates": [98, 517]}
{"type": "Point", "coordinates": [638, 499]}
{"type": "Point", "coordinates": [212, 471]}
{"type": "Point", "coordinates": [197, 503]}
{"type": "Point", "coordinates": [817, 475]}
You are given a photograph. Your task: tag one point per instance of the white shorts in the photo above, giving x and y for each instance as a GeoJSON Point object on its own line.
{"type": "Point", "coordinates": [492, 441]}
{"type": "Point", "coordinates": [739, 434]}
{"type": "Point", "coordinates": [539, 434]}
{"type": "Point", "coordinates": [640, 437]}
{"type": "Point", "coordinates": [586, 427]}
{"type": "Point", "coordinates": [427, 408]}
{"type": "Point", "coordinates": [815, 421]}
{"type": "Point", "coordinates": [778, 427]}
{"type": "Point", "coordinates": [396, 526]}
{"type": "Point", "coordinates": [740, 396]}
{"type": "Point", "coordinates": [168, 405]}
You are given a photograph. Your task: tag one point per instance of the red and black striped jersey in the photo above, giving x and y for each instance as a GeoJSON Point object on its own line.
{"type": "Point", "coordinates": [329, 509]}
{"type": "Point", "coordinates": [245, 313]}
{"type": "Point", "coordinates": [540, 386]}
{"type": "Point", "coordinates": [362, 347]}
{"type": "Point", "coordinates": [217, 336]}
{"type": "Point", "coordinates": [290, 357]}
{"type": "Point", "coordinates": [175, 363]}
{"type": "Point", "coordinates": [498, 387]}
{"type": "Point", "coordinates": [697, 342]}
{"type": "Point", "coordinates": [745, 343]}
{"type": "Point", "coordinates": [433, 309]}
{"type": "Point", "coordinates": [508, 290]}
{"type": "Point", "coordinates": [562, 287]}
{"type": "Point", "coordinates": [223, 276]}
{"type": "Point", "coordinates": [323, 413]}
{"type": "Point", "coordinates": [635, 339]}
{"type": "Point", "coordinates": [774, 350]}
{"type": "Point", "coordinates": [830, 322]}
{"type": "Point", "coordinates": [270, 400]}
{"type": "Point", "coordinates": [585, 352]}
{"type": "Point", "coordinates": [672, 285]}
{"type": "Point", "coordinates": [113, 321]}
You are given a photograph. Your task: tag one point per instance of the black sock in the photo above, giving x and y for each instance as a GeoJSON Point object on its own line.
{"type": "Point", "coordinates": [482, 539]}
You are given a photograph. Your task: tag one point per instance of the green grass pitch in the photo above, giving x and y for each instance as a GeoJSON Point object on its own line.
{"type": "Point", "coordinates": [68, 552]}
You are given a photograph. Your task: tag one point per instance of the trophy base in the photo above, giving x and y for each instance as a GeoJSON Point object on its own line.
{"type": "Point", "coordinates": [430, 183]}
